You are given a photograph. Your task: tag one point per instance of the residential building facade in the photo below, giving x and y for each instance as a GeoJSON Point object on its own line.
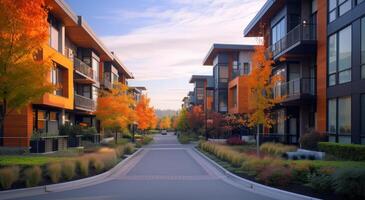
{"type": "Point", "coordinates": [81, 66]}
{"type": "Point", "coordinates": [316, 49]}
{"type": "Point", "coordinates": [203, 93]}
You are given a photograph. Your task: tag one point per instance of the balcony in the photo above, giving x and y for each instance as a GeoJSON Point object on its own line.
{"type": "Point", "coordinates": [300, 39]}
{"type": "Point", "coordinates": [84, 103]}
{"type": "Point", "coordinates": [295, 90]}
{"type": "Point", "coordinates": [85, 74]}
{"type": "Point", "coordinates": [107, 83]}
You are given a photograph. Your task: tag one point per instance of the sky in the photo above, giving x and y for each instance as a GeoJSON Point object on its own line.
{"type": "Point", "coordinates": [164, 42]}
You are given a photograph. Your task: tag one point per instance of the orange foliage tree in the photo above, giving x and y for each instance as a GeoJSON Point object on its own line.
{"type": "Point", "coordinates": [261, 83]}
{"type": "Point", "coordinates": [23, 74]}
{"type": "Point", "coordinates": [145, 115]}
{"type": "Point", "coordinates": [115, 109]}
{"type": "Point", "coordinates": [165, 123]}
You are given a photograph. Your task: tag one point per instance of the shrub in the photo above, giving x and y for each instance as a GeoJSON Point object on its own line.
{"type": "Point", "coordinates": [235, 141]}
{"type": "Point", "coordinates": [354, 152]}
{"type": "Point", "coordinates": [129, 148]}
{"type": "Point", "coordinates": [276, 149]}
{"type": "Point", "coordinates": [184, 139]}
{"type": "Point", "coordinates": [321, 182]}
{"type": "Point", "coordinates": [32, 176]}
{"type": "Point", "coordinates": [310, 140]}
{"type": "Point", "coordinates": [350, 183]}
{"type": "Point", "coordinates": [119, 151]}
{"type": "Point", "coordinates": [254, 165]}
{"type": "Point", "coordinates": [109, 159]}
{"type": "Point", "coordinates": [82, 165]}
{"type": "Point", "coordinates": [68, 170]}
{"type": "Point", "coordinates": [301, 171]}
{"type": "Point", "coordinates": [97, 164]}
{"type": "Point", "coordinates": [275, 175]}
{"type": "Point", "coordinates": [8, 175]}
{"type": "Point", "coordinates": [54, 172]}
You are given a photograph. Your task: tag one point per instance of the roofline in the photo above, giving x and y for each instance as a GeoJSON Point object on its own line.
{"type": "Point", "coordinates": [258, 16]}
{"type": "Point", "coordinates": [82, 23]}
{"type": "Point", "coordinates": [228, 47]}
{"type": "Point", "coordinates": [199, 77]}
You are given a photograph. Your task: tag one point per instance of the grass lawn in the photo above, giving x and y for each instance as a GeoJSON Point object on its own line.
{"type": "Point", "coordinates": [28, 160]}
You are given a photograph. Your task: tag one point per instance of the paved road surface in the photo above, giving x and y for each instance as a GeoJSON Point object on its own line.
{"type": "Point", "coordinates": [163, 170]}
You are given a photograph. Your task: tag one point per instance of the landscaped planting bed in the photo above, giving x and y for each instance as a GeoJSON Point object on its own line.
{"type": "Point", "coordinates": [318, 178]}
{"type": "Point", "coordinates": [34, 170]}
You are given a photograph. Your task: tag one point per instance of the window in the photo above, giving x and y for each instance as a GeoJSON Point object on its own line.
{"type": "Point", "coordinates": [339, 119]}
{"type": "Point", "coordinates": [95, 66]}
{"type": "Point", "coordinates": [57, 74]}
{"type": "Point", "coordinates": [278, 31]}
{"type": "Point", "coordinates": [223, 74]}
{"type": "Point", "coordinates": [41, 122]}
{"type": "Point", "coordinates": [337, 8]}
{"type": "Point", "coordinates": [54, 32]}
{"type": "Point", "coordinates": [246, 68]}
{"type": "Point", "coordinates": [200, 93]}
{"type": "Point", "coordinates": [339, 57]}
{"type": "Point", "coordinates": [363, 48]}
{"type": "Point", "coordinates": [362, 119]}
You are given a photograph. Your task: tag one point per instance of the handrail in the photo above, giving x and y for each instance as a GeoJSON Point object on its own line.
{"type": "Point", "coordinates": [84, 68]}
{"type": "Point", "coordinates": [84, 102]}
{"type": "Point", "coordinates": [295, 87]}
{"type": "Point", "coordinates": [302, 32]}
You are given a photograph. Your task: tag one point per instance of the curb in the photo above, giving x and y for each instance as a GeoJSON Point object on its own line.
{"type": "Point", "coordinates": [58, 187]}
{"type": "Point", "coordinates": [256, 187]}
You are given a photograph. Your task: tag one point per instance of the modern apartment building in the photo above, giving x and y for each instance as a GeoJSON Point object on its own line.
{"type": "Point", "coordinates": [203, 95]}
{"type": "Point", "coordinates": [318, 49]}
{"type": "Point", "coordinates": [231, 65]}
{"type": "Point", "coordinates": [81, 66]}
{"type": "Point", "coordinates": [137, 92]}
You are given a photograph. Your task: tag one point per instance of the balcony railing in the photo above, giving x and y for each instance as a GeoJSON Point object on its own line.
{"type": "Point", "coordinates": [107, 83]}
{"type": "Point", "coordinates": [295, 88]}
{"type": "Point", "coordinates": [84, 69]}
{"type": "Point", "coordinates": [84, 103]}
{"type": "Point", "coordinates": [302, 32]}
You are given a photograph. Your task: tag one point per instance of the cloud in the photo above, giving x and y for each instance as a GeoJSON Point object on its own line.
{"type": "Point", "coordinates": [178, 38]}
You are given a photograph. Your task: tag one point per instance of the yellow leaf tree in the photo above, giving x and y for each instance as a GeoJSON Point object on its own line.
{"type": "Point", "coordinates": [261, 83]}
{"type": "Point", "coordinates": [115, 109]}
{"type": "Point", "coordinates": [23, 72]}
{"type": "Point", "coordinates": [145, 114]}
{"type": "Point", "coordinates": [165, 123]}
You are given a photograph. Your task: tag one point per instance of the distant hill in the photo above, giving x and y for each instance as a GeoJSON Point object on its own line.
{"type": "Point", "coordinates": [162, 113]}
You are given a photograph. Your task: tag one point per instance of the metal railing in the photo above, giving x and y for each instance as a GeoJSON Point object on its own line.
{"type": "Point", "coordinates": [237, 72]}
{"type": "Point", "coordinates": [302, 32]}
{"type": "Point", "coordinates": [107, 83]}
{"type": "Point", "coordinates": [295, 87]}
{"type": "Point", "coordinates": [84, 69]}
{"type": "Point", "coordinates": [84, 102]}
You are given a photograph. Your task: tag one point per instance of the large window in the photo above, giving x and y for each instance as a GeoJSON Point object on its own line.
{"type": "Point", "coordinates": [200, 93]}
{"type": "Point", "coordinates": [339, 119]}
{"type": "Point", "coordinates": [363, 48]}
{"type": "Point", "coordinates": [246, 68]}
{"type": "Point", "coordinates": [278, 31]}
{"type": "Point", "coordinates": [54, 32]}
{"type": "Point", "coordinates": [223, 74]}
{"type": "Point", "coordinates": [363, 118]}
{"type": "Point", "coordinates": [337, 8]}
{"type": "Point", "coordinates": [339, 57]}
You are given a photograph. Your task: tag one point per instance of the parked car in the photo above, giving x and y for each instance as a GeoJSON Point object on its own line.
{"type": "Point", "coordinates": [163, 132]}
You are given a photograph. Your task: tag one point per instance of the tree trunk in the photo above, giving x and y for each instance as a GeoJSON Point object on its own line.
{"type": "Point", "coordinates": [116, 137]}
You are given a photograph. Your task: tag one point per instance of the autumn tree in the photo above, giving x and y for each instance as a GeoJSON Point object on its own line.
{"type": "Point", "coordinates": [114, 109]}
{"type": "Point", "coordinates": [23, 74]}
{"type": "Point", "coordinates": [196, 118]}
{"type": "Point", "coordinates": [145, 114]}
{"type": "Point", "coordinates": [217, 125]}
{"type": "Point", "coordinates": [182, 121]}
{"type": "Point", "coordinates": [261, 83]}
{"type": "Point", "coordinates": [165, 122]}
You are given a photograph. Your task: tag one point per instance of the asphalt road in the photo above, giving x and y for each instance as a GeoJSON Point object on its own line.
{"type": "Point", "coordinates": [163, 170]}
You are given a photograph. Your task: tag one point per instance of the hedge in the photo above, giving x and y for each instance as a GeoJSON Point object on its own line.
{"type": "Point", "coordinates": [343, 151]}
